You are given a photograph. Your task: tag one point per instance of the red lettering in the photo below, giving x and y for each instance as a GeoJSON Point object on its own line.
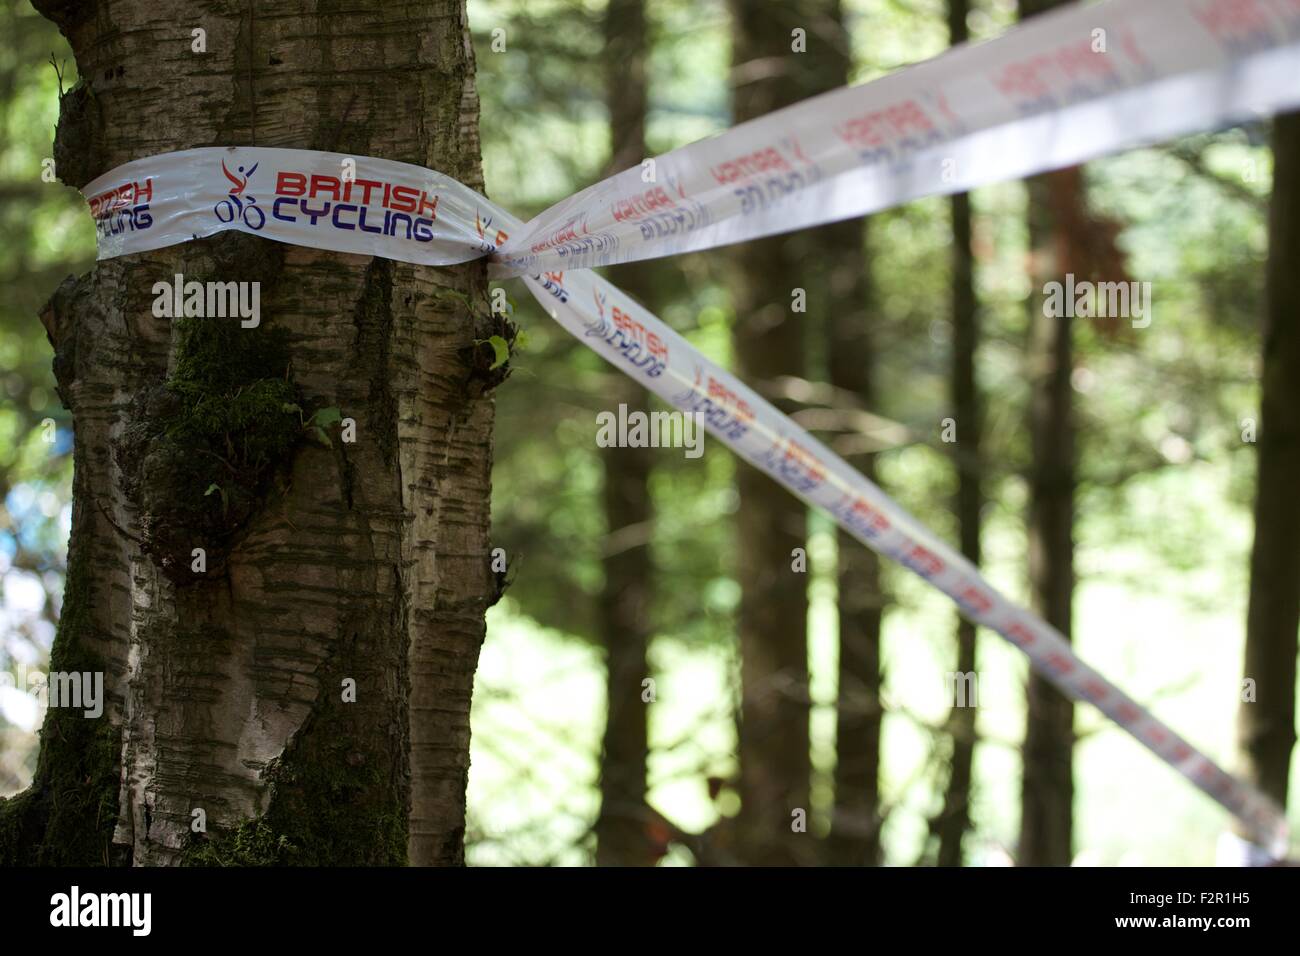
{"type": "Point", "coordinates": [924, 561]}
{"type": "Point", "coordinates": [1021, 634]}
{"type": "Point", "coordinates": [907, 116]}
{"type": "Point", "coordinates": [1059, 663]}
{"type": "Point", "coordinates": [1094, 690]}
{"type": "Point", "coordinates": [404, 198]}
{"type": "Point", "coordinates": [979, 601]}
{"type": "Point", "coordinates": [321, 184]}
{"type": "Point", "coordinates": [1229, 16]}
{"type": "Point", "coordinates": [290, 184]}
{"type": "Point", "coordinates": [656, 345]}
{"type": "Point", "coordinates": [366, 185]}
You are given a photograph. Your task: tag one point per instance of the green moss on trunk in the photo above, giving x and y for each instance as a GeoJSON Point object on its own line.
{"type": "Point", "coordinates": [199, 450]}
{"type": "Point", "coordinates": [252, 843]}
{"type": "Point", "coordinates": [338, 797]}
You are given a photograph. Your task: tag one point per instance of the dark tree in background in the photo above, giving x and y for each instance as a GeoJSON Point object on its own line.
{"type": "Point", "coordinates": [365, 561]}
{"type": "Point", "coordinates": [775, 766]}
{"type": "Point", "coordinates": [1047, 792]}
{"type": "Point", "coordinates": [769, 342]}
{"type": "Point", "coordinates": [842, 296]}
{"type": "Point", "coordinates": [1267, 724]}
{"type": "Point", "coordinates": [625, 605]}
{"type": "Point", "coordinates": [954, 819]}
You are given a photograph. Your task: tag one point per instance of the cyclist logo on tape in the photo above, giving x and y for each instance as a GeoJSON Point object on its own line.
{"type": "Point", "coordinates": [237, 204]}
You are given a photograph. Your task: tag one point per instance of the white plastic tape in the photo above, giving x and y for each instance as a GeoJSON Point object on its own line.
{"type": "Point", "coordinates": [1049, 93]}
{"type": "Point", "coordinates": [1064, 87]}
{"type": "Point", "coordinates": [325, 200]}
{"type": "Point", "coordinates": [1068, 86]}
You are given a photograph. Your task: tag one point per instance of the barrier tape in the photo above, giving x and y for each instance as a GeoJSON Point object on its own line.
{"type": "Point", "coordinates": [1035, 99]}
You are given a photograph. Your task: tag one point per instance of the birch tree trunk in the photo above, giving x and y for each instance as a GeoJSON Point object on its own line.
{"type": "Point", "coordinates": [363, 561]}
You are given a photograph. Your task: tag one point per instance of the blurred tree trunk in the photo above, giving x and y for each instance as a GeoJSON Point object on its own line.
{"type": "Point", "coordinates": [843, 300]}
{"type": "Point", "coordinates": [775, 761]}
{"type": "Point", "coordinates": [855, 828]}
{"type": "Point", "coordinates": [1047, 790]}
{"type": "Point", "coordinates": [954, 819]}
{"type": "Point", "coordinates": [1266, 726]}
{"type": "Point", "coordinates": [365, 561]}
{"type": "Point", "coordinates": [621, 829]}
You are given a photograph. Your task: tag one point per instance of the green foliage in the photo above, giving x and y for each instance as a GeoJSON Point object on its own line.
{"type": "Point", "coordinates": [252, 843]}
{"type": "Point", "coordinates": [325, 417]}
{"type": "Point", "coordinates": [46, 236]}
{"type": "Point", "coordinates": [500, 351]}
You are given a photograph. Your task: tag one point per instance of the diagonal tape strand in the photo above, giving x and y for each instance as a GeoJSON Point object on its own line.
{"type": "Point", "coordinates": [639, 344]}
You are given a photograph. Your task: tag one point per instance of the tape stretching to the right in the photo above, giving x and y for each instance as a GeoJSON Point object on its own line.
{"type": "Point", "coordinates": [639, 344]}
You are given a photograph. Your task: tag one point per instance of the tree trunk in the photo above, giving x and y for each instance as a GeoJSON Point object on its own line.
{"type": "Point", "coordinates": [843, 299]}
{"type": "Point", "coordinates": [1266, 725]}
{"type": "Point", "coordinates": [621, 828]}
{"type": "Point", "coordinates": [954, 818]}
{"type": "Point", "coordinates": [1047, 788]}
{"type": "Point", "coordinates": [365, 561]}
{"type": "Point", "coordinates": [775, 761]}
{"type": "Point", "coordinates": [855, 829]}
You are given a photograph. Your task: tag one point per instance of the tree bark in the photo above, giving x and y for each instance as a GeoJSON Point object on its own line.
{"type": "Point", "coordinates": [843, 300]}
{"type": "Point", "coordinates": [854, 839]}
{"type": "Point", "coordinates": [365, 561]}
{"type": "Point", "coordinates": [954, 819]}
{"type": "Point", "coordinates": [775, 762]}
{"type": "Point", "coordinates": [1266, 725]}
{"type": "Point", "coordinates": [625, 599]}
{"type": "Point", "coordinates": [769, 342]}
{"type": "Point", "coordinates": [1047, 789]}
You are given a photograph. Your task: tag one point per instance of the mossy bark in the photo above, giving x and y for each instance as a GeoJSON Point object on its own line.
{"type": "Point", "coordinates": [330, 561]}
